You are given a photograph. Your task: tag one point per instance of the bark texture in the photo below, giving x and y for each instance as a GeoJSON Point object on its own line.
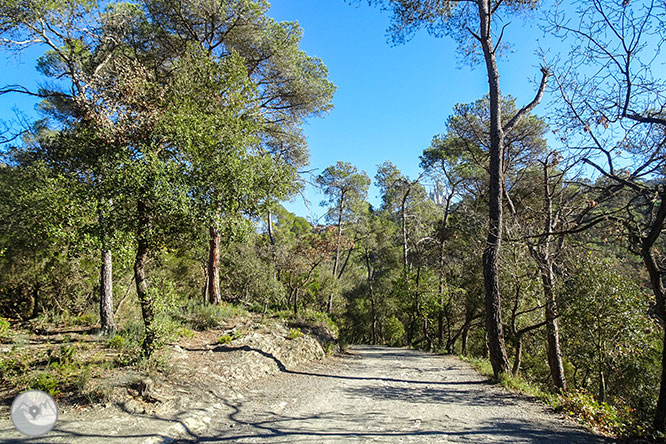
{"type": "Point", "coordinates": [214, 296]}
{"type": "Point", "coordinates": [107, 321]}
{"type": "Point", "coordinates": [493, 303]}
{"type": "Point", "coordinates": [145, 300]}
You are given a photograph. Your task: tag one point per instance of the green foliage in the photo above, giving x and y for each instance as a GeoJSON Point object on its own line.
{"type": "Point", "coordinates": [294, 333]}
{"type": "Point", "coordinates": [394, 331]}
{"type": "Point", "coordinates": [205, 316]}
{"type": "Point", "coordinates": [46, 382]}
{"type": "Point", "coordinates": [607, 333]}
{"type": "Point", "coordinates": [5, 329]}
{"type": "Point", "coordinates": [600, 415]}
{"type": "Point", "coordinates": [224, 339]}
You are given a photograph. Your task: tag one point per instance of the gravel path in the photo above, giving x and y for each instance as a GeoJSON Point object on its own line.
{"type": "Point", "coordinates": [388, 395]}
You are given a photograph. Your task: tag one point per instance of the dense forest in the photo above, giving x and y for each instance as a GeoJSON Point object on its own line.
{"type": "Point", "coordinates": [172, 131]}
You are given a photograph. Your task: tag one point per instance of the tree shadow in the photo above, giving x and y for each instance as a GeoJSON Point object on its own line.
{"type": "Point", "coordinates": [284, 369]}
{"type": "Point", "coordinates": [374, 426]}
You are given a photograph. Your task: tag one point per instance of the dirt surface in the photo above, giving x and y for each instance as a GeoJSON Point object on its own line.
{"type": "Point", "coordinates": [183, 397]}
{"type": "Point", "coordinates": [372, 394]}
{"type": "Point", "coordinates": [381, 394]}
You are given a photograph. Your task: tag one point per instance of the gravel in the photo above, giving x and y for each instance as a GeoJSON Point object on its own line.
{"type": "Point", "coordinates": [388, 395]}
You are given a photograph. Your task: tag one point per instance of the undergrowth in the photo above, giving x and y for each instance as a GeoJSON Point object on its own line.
{"type": "Point", "coordinates": [611, 420]}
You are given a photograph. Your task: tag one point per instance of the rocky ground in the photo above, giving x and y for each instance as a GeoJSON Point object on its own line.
{"type": "Point", "coordinates": [387, 395]}
{"type": "Point", "coordinates": [182, 398]}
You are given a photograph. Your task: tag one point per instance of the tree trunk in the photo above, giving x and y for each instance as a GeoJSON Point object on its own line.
{"type": "Point", "coordinates": [214, 296]}
{"type": "Point", "coordinates": [371, 291]}
{"type": "Point", "coordinates": [660, 413]}
{"type": "Point", "coordinates": [469, 317]}
{"type": "Point", "coordinates": [271, 236]}
{"type": "Point", "coordinates": [493, 302]}
{"type": "Point", "coordinates": [403, 214]}
{"type": "Point", "coordinates": [518, 357]}
{"type": "Point", "coordinates": [373, 310]}
{"type": "Point", "coordinates": [552, 330]}
{"type": "Point", "coordinates": [296, 300]}
{"type": "Point", "coordinates": [440, 315]}
{"type": "Point", "coordinates": [108, 325]}
{"type": "Point", "coordinates": [147, 306]}
{"type": "Point", "coordinates": [463, 340]}
{"type": "Point", "coordinates": [339, 238]}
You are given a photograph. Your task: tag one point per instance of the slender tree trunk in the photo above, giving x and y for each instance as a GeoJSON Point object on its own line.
{"type": "Point", "coordinates": [34, 301]}
{"type": "Point", "coordinates": [463, 340]}
{"type": "Point", "coordinates": [493, 302]}
{"type": "Point", "coordinates": [440, 316]}
{"type": "Point", "coordinates": [271, 236]}
{"type": "Point", "coordinates": [519, 353]}
{"type": "Point", "coordinates": [336, 262]}
{"type": "Point", "coordinates": [296, 300]}
{"type": "Point", "coordinates": [147, 306]}
{"type": "Point", "coordinates": [403, 214]}
{"type": "Point", "coordinates": [552, 330]}
{"type": "Point", "coordinates": [214, 296]}
{"type": "Point", "coordinates": [469, 317]}
{"type": "Point", "coordinates": [108, 325]}
{"type": "Point", "coordinates": [371, 291]}
{"type": "Point", "coordinates": [373, 314]}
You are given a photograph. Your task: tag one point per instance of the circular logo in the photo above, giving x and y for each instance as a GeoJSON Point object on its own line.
{"type": "Point", "coordinates": [34, 413]}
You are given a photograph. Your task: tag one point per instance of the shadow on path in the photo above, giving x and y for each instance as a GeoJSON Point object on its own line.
{"type": "Point", "coordinates": [284, 369]}
{"type": "Point", "coordinates": [289, 429]}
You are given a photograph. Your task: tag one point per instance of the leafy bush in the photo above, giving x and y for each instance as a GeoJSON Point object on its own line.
{"type": "Point", "coordinates": [224, 339]}
{"type": "Point", "coordinates": [16, 363]}
{"type": "Point", "coordinates": [600, 415]}
{"type": "Point", "coordinates": [394, 331]}
{"type": "Point", "coordinates": [294, 333]}
{"type": "Point", "coordinates": [4, 329]}
{"type": "Point", "coordinates": [44, 381]}
{"type": "Point", "coordinates": [205, 316]}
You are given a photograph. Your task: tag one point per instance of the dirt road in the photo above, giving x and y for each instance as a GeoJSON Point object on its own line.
{"type": "Point", "coordinates": [381, 394]}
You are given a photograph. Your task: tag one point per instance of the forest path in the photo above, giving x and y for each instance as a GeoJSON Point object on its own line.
{"type": "Point", "coordinates": [388, 395]}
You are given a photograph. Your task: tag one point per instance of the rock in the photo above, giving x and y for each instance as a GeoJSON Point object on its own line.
{"type": "Point", "coordinates": [133, 406]}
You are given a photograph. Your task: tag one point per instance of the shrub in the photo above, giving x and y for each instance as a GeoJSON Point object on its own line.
{"type": "Point", "coordinates": [4, 329]}
{"type": "Point", "coordinates": [204, 317]}
{"type": "Point", "coordinates": [44, 381]}
{"type": "Point", "coordinates": [294, 333]}
{"type": "Point", "coordinates": [224, 339]}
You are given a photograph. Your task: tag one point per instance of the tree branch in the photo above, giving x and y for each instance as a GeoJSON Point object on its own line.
{"type": "Point", "coordinates": [545, 74]}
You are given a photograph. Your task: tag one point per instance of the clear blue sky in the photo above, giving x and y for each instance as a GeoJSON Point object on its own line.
{"type": "Point", "coordinates": [390, 101]}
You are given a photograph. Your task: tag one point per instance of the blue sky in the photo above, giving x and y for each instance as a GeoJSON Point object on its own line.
{"type": "Point", "coordinates": [390, 101]}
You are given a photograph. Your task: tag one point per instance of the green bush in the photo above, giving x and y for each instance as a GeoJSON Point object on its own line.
{"type": "Point", "coordinates": [294, 333]}
{"type": "Point", "coordinates": [15, 363]}
{"type": "Point", "coordinates": [86, 319]}
{"type": "Point", "coordinates": [394, 331]}
{"type": "Point", "coordinates": [205, 316]}
{"type": "Point", "coordinates": [44, 381]}
{"type": "Point", "coordinates": [225, 339]}
{"type": "Point", "coordinates": [600, 415]}
{"type": "Point", "coordinates": [5, 329]}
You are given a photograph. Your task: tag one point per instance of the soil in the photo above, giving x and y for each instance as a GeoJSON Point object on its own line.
{"type": "Point", "coordinates": [388, 395]}
{"type": "Point", "coordinates": [139, 406]}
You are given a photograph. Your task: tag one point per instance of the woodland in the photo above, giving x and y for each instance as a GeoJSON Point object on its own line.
{"type": "Point", "coordinates": [172, 131]}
